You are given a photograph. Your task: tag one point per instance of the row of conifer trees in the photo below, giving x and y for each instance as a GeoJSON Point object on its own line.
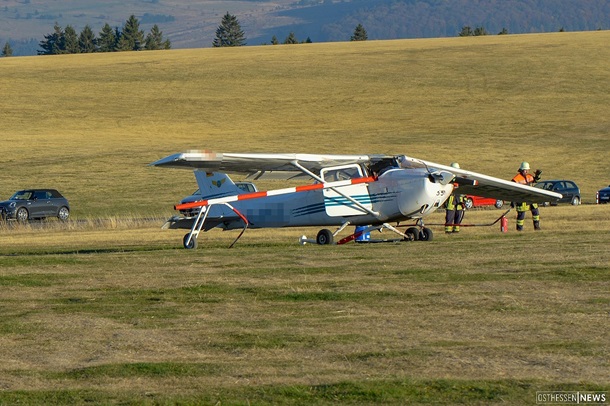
{"type": "Point", "coordinates": [129, 38]}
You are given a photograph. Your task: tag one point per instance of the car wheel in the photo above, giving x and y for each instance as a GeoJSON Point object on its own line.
{"type": "Point", "coordinates": [575, 201]}
{"type": "Point", "coordinates": [324, 237]}
{"type": "Point", "coordinates": [468, 203]}
{"type": "Point", "coordinates": [499, 204]}
{"type": "Point", "coordinates": [22, 214]}
{"type": "Point", "coordinates": [63, 213]}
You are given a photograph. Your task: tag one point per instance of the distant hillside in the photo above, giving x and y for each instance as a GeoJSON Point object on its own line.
{"type": "Point", "coordinates": [393, 19]}
{"type": "Point", "coordinates": [192, 24]}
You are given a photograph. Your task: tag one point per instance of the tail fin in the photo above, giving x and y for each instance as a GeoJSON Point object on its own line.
{"type": "Point", "coordinates": [215, 184]}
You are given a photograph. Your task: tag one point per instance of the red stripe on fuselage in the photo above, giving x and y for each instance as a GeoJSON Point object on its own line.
{"type": "Point", "coordinates": [256, 195]}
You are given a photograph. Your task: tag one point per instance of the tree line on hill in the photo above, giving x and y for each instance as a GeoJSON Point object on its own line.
{"type": "Point", "coordinates": [129, 38]}
{"type": "Point", "coordinates": [229, 33]}
{"type": "Point", "coordinates": [325, 20]}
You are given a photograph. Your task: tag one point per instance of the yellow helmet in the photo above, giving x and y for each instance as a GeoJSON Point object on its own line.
{"type": "Point", "coordinates": [524, 166]}
{"type": "Point", "coordinates": [455, 165]}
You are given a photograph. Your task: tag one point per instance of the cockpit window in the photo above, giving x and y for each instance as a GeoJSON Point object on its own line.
{"type": "Point", "coordinates": [338, 173]}
{"type": "Point", "coordinates": [383, 165]}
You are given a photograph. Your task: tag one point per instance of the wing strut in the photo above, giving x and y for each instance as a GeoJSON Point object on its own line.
{"type": "Point", "coordinates": [334, 189]}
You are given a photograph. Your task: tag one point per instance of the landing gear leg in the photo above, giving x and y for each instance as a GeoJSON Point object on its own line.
{"type": "Point", "coordinates": [425, 234]}
{"type": "Point", "coordinates": [190, 239]}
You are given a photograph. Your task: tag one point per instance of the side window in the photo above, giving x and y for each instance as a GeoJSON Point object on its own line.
{"type": "Point", "coordinates": [341, 173]}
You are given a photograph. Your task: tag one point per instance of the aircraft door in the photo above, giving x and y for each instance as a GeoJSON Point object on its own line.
{"type": "Point", "coordinates": [336, 204]}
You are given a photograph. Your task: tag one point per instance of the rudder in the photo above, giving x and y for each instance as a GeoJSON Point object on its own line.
{"type": "Point", "coordinates": [215, 184]}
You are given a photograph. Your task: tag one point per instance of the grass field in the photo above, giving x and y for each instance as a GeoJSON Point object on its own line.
{"type": "Point", "coordinates": [112, 310]}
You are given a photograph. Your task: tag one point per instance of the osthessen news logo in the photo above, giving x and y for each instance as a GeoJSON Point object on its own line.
{"type": "Point", "coordinates": [571, 398]}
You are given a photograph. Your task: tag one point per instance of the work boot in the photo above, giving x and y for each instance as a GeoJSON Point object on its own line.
{"type": "Point", "coordinates": [537, 225]}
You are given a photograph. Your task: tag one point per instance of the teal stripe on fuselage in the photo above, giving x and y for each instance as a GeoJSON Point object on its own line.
{"type": "Point", "coordinates": [342, 201]}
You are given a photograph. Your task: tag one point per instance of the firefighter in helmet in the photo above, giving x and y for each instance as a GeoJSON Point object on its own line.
{"type": "Point", "coordinates": [525, 178]}
{"type": "Point", "coordinates": [454, 209]}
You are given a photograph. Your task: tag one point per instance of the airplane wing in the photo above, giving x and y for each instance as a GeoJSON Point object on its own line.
{"type": "Point", "coordinates": [282, 166]}
{"type": "Point", "coordinates": [473, 183]}
{"type": "Point", "coordinates": [257, 166]}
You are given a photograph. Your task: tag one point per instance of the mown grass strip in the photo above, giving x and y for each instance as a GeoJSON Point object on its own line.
{"type": "Point", "coordinates": [383, 392]}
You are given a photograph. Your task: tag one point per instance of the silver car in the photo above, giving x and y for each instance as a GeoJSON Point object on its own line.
{"type": "Point", "coordinates": [35, 204]}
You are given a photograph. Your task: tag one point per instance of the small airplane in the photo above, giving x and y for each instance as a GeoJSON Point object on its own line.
{"type": "Point", "coordinates": [367, 191]}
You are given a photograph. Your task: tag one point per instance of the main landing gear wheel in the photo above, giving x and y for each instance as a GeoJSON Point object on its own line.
{"type": "Point", "coordinates": [324, 237]}
{"type": "Point", "coordinates": [192, 245]}
{"type": "Point", "coordinates": [412, 234]}
{"type": "Point", "coordinates": [425, 234]}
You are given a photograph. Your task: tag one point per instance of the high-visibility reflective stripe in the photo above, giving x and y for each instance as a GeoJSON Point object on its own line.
{"type": "Point", "coordinates": [277, 192]}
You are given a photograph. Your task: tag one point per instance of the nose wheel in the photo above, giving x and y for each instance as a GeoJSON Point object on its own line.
{"type": "Point", "coordinates": [419, 234]}
{"type": "Point", "coordinates": [425, 234]}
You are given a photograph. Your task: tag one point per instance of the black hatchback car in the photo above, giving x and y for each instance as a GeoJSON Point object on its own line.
{"type": "Point", "coordinates": [603, 195]}
{"type": "Point", "coordinates": [569, 190]}
{"type": "Point", "coordinates": [35, 204]}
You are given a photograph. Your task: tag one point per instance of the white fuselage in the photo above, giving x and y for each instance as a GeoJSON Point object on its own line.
{"type": "Point", "coordinates": [397, 195]}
